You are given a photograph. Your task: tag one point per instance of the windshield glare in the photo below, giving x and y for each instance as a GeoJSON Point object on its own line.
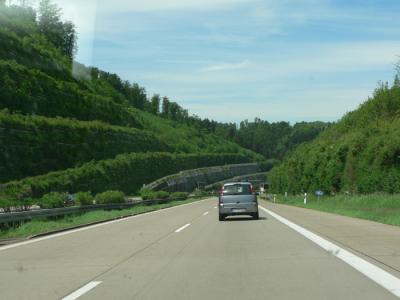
{"type": "Point", "coordinates": [237, 189]}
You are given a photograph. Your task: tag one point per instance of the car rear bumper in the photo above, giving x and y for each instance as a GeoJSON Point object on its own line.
{"type": "Point", "coordinates": [238, 211]}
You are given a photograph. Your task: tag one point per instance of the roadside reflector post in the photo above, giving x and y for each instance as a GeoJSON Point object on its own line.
{"type": "Point", "coordinates": [285, 194]}
{"type": "Point", "coordinates": [305, 198]}
{"type": "Point", "coordinates": [274, 198]}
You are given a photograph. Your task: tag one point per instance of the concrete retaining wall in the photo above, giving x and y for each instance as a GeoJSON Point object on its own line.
{"type": "Point", "coordinates": [188, 181]}
{"type": "Point", "coordinates": [255, 178]}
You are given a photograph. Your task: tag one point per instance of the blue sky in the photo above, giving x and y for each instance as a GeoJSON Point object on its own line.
{"type": "Point", "coordinates": [231, 60]}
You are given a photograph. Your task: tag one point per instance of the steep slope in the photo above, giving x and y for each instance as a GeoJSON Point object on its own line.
{"type": "Point", "coordinates": [36, 145]}
{"type": "Point", "coordinates": [361, 153]}
{"type": "Point", "coordinates": [86, 130]}
{"type": "Point", "coordinates": [125, 172]}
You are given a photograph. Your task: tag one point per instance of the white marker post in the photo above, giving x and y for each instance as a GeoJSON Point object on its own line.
{"type": "Point", "coordinates": [305, 198]}
{"type": "Point", "coordinates": [285, 194]}
{"type": "Point", "coordinates": [274, 198]}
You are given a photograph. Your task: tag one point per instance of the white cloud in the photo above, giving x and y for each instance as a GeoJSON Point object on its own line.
{"type": "Point", "coordinates": [306, 60]}
{"type": "Point", "coordinates": [162, 5]}
{"type": "Point", "coordinates": [226, 66]}
{"type": "Point", "coordinates": [339, 57]}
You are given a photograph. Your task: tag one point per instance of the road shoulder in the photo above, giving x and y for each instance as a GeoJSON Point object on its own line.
{"type": "Point", "coordinates": [375, 242]}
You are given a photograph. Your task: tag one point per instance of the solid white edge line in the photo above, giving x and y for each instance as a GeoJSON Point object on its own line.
{"type": "Point", "coordinates": [2, 248]}
{"type": "Point", "coordinates": [182, 228]}
{"type": "Point", "coordinates": [376, 274]}
{"type": "Point", "coordinates": [83, 290]}
{"type": "Point", "coordinates": [205, 214]}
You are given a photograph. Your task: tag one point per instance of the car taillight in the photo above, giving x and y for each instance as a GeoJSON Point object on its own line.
{"type": "Point", "coordinates": [221, 191]}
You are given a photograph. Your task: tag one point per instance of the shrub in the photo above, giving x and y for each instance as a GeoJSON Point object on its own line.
{"type": "Point", "coordinates": [53, 200]}
{"type": "Point", "coordinates": [267, 165]}
{"type": "Point", "coordinates": [161, 195]}
{"type": "Point", "coordinates": [200, 193]}
{"type": "Point", "coordinates": [84, 198]}
{"type": "Point", "coordinates": [6, 204]}
{"type": "Point", "coordinates": [147, 194]}
{"type": "Point", "coordinates": [110, 197]}
{"type": "Point", "coordinates": [179, 195]}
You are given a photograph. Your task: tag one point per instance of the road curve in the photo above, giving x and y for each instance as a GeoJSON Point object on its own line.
{"type": "Point", "coordinates": [181, 253]}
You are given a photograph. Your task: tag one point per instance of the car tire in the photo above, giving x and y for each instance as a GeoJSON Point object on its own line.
{"type": "Point", "coordinates": [256, 216]}
{"type": "Point", "coordinates": [221, 217]}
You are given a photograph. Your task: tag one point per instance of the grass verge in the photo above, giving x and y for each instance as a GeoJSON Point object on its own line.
{"type": "Point", "coordinates": [43, 226]}
{"type": "Point", "coordinates": [381, 208]}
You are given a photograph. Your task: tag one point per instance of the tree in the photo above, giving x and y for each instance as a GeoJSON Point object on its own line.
{"type": "Point", "coordinates": [396, 82]}
{"type": "Point", "coordinates": [62, 35]}
{"type": "Point", "coordinates": [173, 111]}
{"type": "Point", "coordinates": [165, 107]}
{"type": "Point", "coordinates": [136, 95]}
{"type": "Point", "coordinates": [69, 45]}
{"type": "Point", "coordinates": [155, 104]}
{"type": "Point", "coordinates": [50, 20]}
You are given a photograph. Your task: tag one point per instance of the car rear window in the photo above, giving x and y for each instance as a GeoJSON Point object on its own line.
{"type": "Point", "coordinates": [237, 189]}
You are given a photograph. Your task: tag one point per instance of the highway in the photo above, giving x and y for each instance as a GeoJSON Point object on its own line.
{"type": "Point", "coordinates": [184, 253]}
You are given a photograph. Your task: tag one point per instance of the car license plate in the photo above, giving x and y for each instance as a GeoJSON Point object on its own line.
{"type": "Point", "coordinates": [238, 210]}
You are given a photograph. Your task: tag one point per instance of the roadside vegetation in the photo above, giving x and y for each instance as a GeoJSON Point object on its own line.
{"type": "Point", "coordinates": [66, 128]}
{"type": "Point", "coordinates": [43, 226]}
{"type": "Point", "coordinates": [360, 154]}
{"type": "Point", "coordinates": [69, 129]}
{"type": "Point", "coordinates": [383, 208]}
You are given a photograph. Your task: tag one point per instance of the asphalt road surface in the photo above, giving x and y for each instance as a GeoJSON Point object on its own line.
{"type": "Point", "coordinates": [182, 253]}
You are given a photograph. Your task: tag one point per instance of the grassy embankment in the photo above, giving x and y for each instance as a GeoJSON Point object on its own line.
{"type": "Point", "coordinates": [42, 226]}
{"type": "Point", "coordinates": [383, 208]}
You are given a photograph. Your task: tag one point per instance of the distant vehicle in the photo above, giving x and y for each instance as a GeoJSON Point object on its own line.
{"type": "Point", "coordinates": [238, 198]}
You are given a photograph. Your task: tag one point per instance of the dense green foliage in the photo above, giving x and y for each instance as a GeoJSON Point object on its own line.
{"type": "Point", "coordinates": [127, 173]}
{"type": "Point", "coordinates": [189, 139]}
{"type": "Point", "coordinates": [53, 200]}
{"type": "Point", "coordinates": [37, 145]}
{"type": "Point", "coordinates": [275, 140]}
{"type": "Point", "coordinates": [361, 153]}
{"type": "Point", "coordinates": [61, 34]}
{"type": "Point", "coordinates": [33, 92]}
{"type": "Point", "coordinates": [110, 197]}
{"type": "Point", "coordinates": [52, 106]}
{"type": "Point", "coordinates": [21, 40]}
{"type": "Point", "coordinates": [148, 194]}
{"type": "Point", "coordinates": [84, 198]}
{"type": "Point", "coordinates": [272, 140]}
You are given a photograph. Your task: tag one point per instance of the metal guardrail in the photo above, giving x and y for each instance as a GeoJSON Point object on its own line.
{"type": "Point", "coordinates": [42, 213]}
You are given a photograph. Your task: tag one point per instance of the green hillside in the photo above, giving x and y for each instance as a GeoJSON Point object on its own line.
{"type": "Point", "coordinates": [36, 145]}
{"type": "Point", "coordinates": [361, 153]}
{"type": "Point", "coordinates": [125, 172]}
{"type": "Point", "coordinates": [66, 127]}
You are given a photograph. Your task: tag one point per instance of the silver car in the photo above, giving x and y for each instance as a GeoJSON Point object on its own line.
{"type": "Point", "coordinates": [238, 198]}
